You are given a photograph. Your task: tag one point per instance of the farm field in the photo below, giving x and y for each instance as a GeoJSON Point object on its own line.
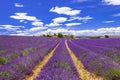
{"type": "Point", "coordinates": [47, 58]}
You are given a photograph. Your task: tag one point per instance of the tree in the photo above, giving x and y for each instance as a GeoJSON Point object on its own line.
{"type": "Point", "coordinates": [44, 35]}
{"type": "Point", "coordinates": [59, 35]}
{"type": "Point", "coordinates": [71, 36]}
{"type": "Point", "coordinates": [55, 34]}
{"type": "Point", "coordinates": [48, 35]}
{"type": "Point", "coordinates": [106, 36]}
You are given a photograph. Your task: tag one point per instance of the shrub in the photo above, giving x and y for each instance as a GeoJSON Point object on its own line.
{"type": "Point", "coordinates": [3, 60]}
{"type": "Point", "coordinates": [94, 37]}
{"type": "Point", "coordinates": [106, 36]}
{"type": "Point", "coordinates": [25, 51]}
{"type": "Point", "coordinates": [59, 35]}
{"type": "Point", "coordinates": [71, 36]}
{"type": "Point", "coordinates": [44, 35]}
{"type": "Point", "coordinates": [15, 55]}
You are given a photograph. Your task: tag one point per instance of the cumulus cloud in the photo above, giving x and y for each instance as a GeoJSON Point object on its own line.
{"type": "Point", "coordinates": [30, 32]}
{"type": "Point", "coordinates": [37, 23]}
{"type": "Point", "coordinates": [72, 24]}
{"type": "Point", "coordinates": [112, 2]}
{"type": "Point", "coordinates": [53, 24]}
{"type": "Point", "coordinates": [65, 10]}
{"type": "Point", "coordinates": [60, 20]}
{"type": "Point", "coordinates": [93, 32]}
{"type": "Point", "coordinates": [108, 21]}
{"type": "Point", "coordinates": [18, 5]}
{"type": "Point", "coordinates": [36, 29]}
{"type": "Point", "coordinates": [57, 21]}
{"type": "Point", "coordinates": [10, 27]}
{"type": "Point", "coordinates": [84, 19]}
{"type": "Point", "coordinates": [23, 16]}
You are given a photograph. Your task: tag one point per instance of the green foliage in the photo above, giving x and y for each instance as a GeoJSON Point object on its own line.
{"type": "Point", "coordinates": [55, 34]}
{"type": "Point", "coordinates": [5, 74]}
{"type": "Point", "coordinates": [116, 56]}
{"type": "Point", "coordinates": [48, 35]}
{"type": "Point", "coordinates": [44, 35]}
{"type": "Point", "coordinates": [106, 36]}
{"type": "Point", "coordinates": [111, 74]}
{"type": "Point", "coordinates": [25, 52]}
{"type": "Point", "coordinates": [60, 35]}
{"type": "Point", "coordinates": [15, 55]}
{"type": "Point", "coordinates": [97, 67]}
{"type": "Point", "coordinates": [94, 37]}
{"type": "Point", "coordinates": [3, 60]}
{"type": "Point", "coordinates": [71, 36]}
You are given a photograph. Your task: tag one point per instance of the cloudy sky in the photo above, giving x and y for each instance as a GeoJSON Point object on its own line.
{"type": "Point", "coordinates": [78, 17]}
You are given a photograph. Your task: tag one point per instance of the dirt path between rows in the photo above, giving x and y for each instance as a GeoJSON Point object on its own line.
{"type": "Point", "coordinates": [40, 65]}
{"type": "Point", "coordinates": [83, 74]}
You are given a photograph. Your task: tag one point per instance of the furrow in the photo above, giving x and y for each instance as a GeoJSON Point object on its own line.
{"type": "Point", "coordinates": [83, 74]}
{"type": "Point", "coordinates": [40, 65]}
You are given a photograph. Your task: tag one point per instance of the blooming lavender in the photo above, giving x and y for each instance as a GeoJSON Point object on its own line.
{"type": "Point", "coordinates": [59, 67]}
{"type": "Point", "coordinates": [96, 63]}
{"type": "Point", "coordinates": [30, 56]}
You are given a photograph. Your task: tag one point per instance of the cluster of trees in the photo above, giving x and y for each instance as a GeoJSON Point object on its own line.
{"type": "Point", "coordinates": [106, 36]}
{"type": "Point", "coordinates": [96, 37]}
{"type": "Point", "coordinates": [59, 35]}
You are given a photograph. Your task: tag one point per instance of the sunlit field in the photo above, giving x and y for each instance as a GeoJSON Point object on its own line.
{"type": "Point", "coordinates": [49, 58]}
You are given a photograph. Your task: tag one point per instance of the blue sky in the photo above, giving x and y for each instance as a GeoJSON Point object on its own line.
{"type": "Point", "coordinates": [78, 17]}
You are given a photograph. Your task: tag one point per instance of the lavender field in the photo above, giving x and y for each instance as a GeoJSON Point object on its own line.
{"type": "Point", "coordinates": [47, 58]}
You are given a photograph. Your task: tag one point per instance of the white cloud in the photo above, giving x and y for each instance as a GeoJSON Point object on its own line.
{"type": "Point", "coordinates": [18, 5]}
{"type": "Point", "coordinates": [21, 20]}
{"type": "Point", "coordinates": [65, 10]}
{"type": "Point", "coordinates": [24, 16]}
{"type": "Point", "coordinates": [72, 24]}
{"type": "Point", "coordinates": [116, 15]}
{"type": "Point", "coordinates": [10, 27]}
{"type": "Point", "coordinates": [32, 31]}
{"type": "Point", "coordinates": [84, 19]}
{"type": "Point", "coordinates": [61, 30]}
{"type": "Point", "coordinates": [37, 28]}
{"type": "Point", "coordinates": [112, 2]}
{"type": "Point", "coordinates": [93, 32]}
{"type": "Point", "coordinates": [37, 23]}
{"type": "Point", "coordinates": [53, 24]}
{"type": "Point", "coordinates": [108, 21]}
{"type": "Point", "coordinates": [57, 21]}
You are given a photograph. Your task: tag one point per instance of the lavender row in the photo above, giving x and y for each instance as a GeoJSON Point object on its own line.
{"type": "Point", "coordinates": [96, 63]}
{"type": "Point", "coordinates": [105, 51]}
{"type": "Point", "coordinates": [12, 47]}
{"type": "Point", "coordinates": [59, 67]}
{"type": "Point", "coordinates": [109, 43]}
{"type": "Point", "coordinates": [17, 68]}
